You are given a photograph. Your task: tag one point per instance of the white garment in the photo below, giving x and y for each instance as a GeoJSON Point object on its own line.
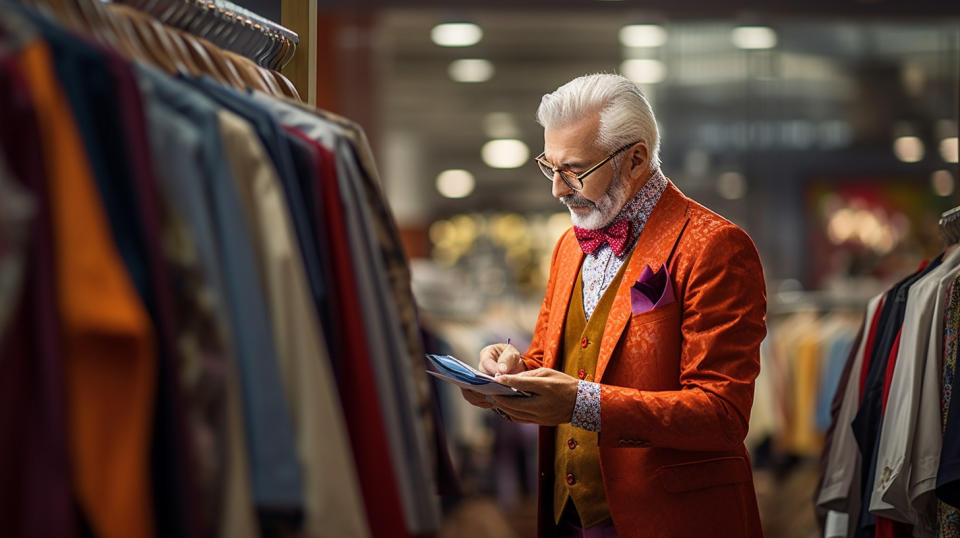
{"type": "Point", "coordinates": [844, 457]}
{"type": "Point", "coordinates": [909, 449]}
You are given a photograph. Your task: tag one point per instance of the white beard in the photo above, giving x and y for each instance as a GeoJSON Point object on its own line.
{"type": "Point", "coordinates": [603, 210]}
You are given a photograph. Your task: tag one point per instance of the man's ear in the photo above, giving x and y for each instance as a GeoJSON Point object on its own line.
{"type": "Point", "coordinates": [638, 158]}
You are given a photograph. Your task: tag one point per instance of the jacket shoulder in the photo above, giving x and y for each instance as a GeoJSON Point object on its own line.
{"type": "Point", "coordinates": [707, 230]}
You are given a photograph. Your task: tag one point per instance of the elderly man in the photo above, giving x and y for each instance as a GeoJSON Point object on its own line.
{"type": "Point", "coordinates": [646, 347]}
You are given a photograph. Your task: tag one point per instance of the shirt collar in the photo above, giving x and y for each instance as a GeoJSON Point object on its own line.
{"type": "Point", "coordinates": [639, 208]}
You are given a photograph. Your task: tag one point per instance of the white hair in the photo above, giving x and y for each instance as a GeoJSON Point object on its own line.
{"type": "Point", "coordinates": [625, 113]}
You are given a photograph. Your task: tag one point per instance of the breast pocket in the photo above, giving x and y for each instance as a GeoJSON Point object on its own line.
{"type": "Point", "coordinates": [650, 355]}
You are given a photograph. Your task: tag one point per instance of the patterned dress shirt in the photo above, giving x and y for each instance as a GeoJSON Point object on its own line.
{"type": "Point", "coordinates": [599, 270]}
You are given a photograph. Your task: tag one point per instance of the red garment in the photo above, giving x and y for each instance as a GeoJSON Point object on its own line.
{"type": "Point", "coordinates": [887, 528]}
{"type": "Point", "coordinates": [868, 349]}
{"type": "Point", "coordinates": [358, 391]}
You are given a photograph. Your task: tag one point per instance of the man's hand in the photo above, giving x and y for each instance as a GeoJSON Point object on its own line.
{"type": "Point", "coordinates": [553, 395]}
{"type": "Point", "coordinates": [494, 360]}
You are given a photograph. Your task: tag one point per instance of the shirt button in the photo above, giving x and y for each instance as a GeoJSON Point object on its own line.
{"type": "Point", "coordinates": [581, 373]}
{"type": "Point", "coordinates": [572, 443]}
{"type": "Point", "coordinates": [584, 342]}
{"type": "Point", "coordinates": [571, 480]}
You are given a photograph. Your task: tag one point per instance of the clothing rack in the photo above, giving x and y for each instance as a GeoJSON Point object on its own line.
{"type": "Point", "coordinates": [140, 36]}
{"type": "Point", "coordinates": [228, 26]}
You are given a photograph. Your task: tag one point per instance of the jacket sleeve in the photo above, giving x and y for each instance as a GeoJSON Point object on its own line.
{"type": "Point", "coordinates": [533, 358]}
{"type": "Point", "coordinates": [722, 320]}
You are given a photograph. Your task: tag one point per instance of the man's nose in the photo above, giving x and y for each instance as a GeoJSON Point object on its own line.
{"type": "Point", "coordinates": [560, 187]}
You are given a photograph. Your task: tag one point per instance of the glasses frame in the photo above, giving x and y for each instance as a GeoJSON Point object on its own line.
{"type": "Point", "coordinates": [544, 165]}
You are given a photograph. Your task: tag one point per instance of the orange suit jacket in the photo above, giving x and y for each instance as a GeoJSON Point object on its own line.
{"type": "Point", "coordinates": [676, 381]}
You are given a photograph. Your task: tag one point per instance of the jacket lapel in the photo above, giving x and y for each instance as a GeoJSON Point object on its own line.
{"type": "Point", "coordinates": [569, 258]}
{"type": "Point", "coordinates": [659, 236]}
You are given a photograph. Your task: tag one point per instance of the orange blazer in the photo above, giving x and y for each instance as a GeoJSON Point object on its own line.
{"type": "Point", "coordinates": [676, 381]}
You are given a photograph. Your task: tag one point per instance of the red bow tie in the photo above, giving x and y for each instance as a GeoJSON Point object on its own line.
{"type": "Point", "coordinates": [615, 235]}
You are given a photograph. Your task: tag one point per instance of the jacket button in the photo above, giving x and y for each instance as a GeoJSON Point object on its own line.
{"type": "Point", "coordinates": [581, 373]}
{"type": "Point", "coordinates": [572, 443]}
{"type": "Point", "coordinates": [571, 480]}
{"type": "Point", "coordinates": [584, 342]}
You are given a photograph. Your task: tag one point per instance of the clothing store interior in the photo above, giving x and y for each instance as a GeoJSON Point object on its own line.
{"type": "Point", "coordinates": [231, 231]}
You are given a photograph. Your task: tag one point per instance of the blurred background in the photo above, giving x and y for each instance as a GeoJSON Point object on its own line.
{"type": "Point", "coordinates": [827, 130]}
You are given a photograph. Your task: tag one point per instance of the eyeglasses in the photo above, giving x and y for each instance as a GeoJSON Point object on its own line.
{"type": "Point", "coordinates": [572, 179]}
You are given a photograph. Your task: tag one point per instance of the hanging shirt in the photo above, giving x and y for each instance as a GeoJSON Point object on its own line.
{"type": "Point", "coordinates": [914, 371]}
{"type": "Point", "coordinates": [212, 202]}
{"type": "Point", "coordinates": [36, 493]}
{"type": "Point", "coordinates": [398, 383]}
{"type": "Point", "coordinates": [331, 495]}
{"type": "Point", "coordinates": [866, 425]}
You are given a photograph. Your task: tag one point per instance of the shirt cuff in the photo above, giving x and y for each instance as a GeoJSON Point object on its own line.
{"type": "Point", "coordinates": [586, 411]}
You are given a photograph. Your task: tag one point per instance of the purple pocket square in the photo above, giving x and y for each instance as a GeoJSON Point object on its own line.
{"type": "Point", "coordinates": [651, 290]}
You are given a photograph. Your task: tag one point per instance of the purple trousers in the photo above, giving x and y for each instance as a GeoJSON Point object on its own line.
{"type": "Point", "coordinates": [569, 526]}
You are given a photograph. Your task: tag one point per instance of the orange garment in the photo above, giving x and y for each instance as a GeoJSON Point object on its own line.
{"type": "Point", "coordinates": [676, 381]}
{"type": "Point", "coordinates": [108, 342]}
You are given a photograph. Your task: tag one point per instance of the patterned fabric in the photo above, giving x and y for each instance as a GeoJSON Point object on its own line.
{"type": "Point", "coordinates": [600, 268]}
{"type": "Point", "coordinates": [949, 517]}
{"type": "Point", "coordinates": [951, 323]}
{"type": "Point", "coordinates": [586, 412]}
{"type": "Point", "coordinates": [614, 234]}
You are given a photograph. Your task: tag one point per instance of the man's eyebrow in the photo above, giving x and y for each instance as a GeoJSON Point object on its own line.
{"type": "Point", "coordinates": [565, 164]}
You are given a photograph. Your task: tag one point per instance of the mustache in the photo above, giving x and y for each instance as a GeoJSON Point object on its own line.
{"type": "Point", "coordinates": [576, 200]}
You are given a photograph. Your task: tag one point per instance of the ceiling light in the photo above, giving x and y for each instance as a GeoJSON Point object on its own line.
{"type": "Point", "coordinates": [754, 37]}
{"type": "Point", "coordinates": [470, 70]}
{"type": "Point", "coordinates": [500, 125]}
{"type": "Point", "coordinates": [731, 185]}
{"type": "Point", "coordinates": [942, 183]}
{"type": "Point", "coordinates": [643, 35]}
{"type": "Point", "coordinates": [908, 149]}
{"type": "Point", "coordinates": [455, 183]}
{"type": "Point", "coordinates": [644, 71]}
{"type": "Point", "coordinates": [456, 34]}
{"type": "Point", "coordinates": [948, 149]}
{"type": "Point", "coordinates": [505, 153]}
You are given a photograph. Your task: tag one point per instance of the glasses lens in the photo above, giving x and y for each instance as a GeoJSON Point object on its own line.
{"type": "Point", "coordinates": [547, 171]}
{"type": "Point", "coordinates": [568, 177]}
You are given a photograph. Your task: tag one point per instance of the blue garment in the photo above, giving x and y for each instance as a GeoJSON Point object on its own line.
{"type": "Point", "coordinates": [836, 359]}
{"type": "Point", "coordinates": [198, 180]}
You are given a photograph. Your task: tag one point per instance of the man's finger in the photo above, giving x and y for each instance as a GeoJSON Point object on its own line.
{"type": "Point", "coordinates": [476, 398]}
{"type": "Point", "coordinates": [509, 361]}
{"type": "Point", "coordinates": [513, 403]}
{"type": "Point", "coordinates": [527, 382]}
{"type": "Point", "coordinates": [488, 366]}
